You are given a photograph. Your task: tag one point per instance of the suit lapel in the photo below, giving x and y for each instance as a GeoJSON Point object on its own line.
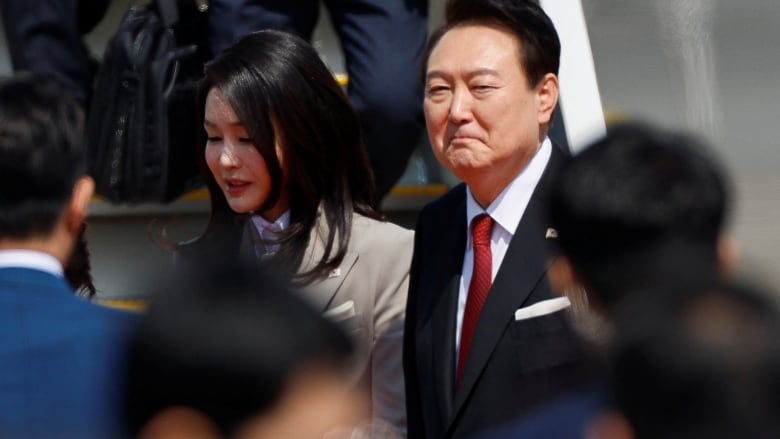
{"type": "Point", "coordinates": [444, 311]}
{"type": "Point", "coordinates": [443, 342]}
{"type": "Point", "coordinates": [524, 265]}
{"type": "Point", "coordinates": [321, 292]}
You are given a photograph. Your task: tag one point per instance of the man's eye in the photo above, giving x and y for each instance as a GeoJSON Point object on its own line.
{"type": "Point", "coordinates": [436, 90]}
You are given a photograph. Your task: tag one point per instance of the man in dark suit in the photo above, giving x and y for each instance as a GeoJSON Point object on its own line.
{"type": "Point", "coordinates": [471, 362]}
{"type": "Point", "coordinates": [60, 356]}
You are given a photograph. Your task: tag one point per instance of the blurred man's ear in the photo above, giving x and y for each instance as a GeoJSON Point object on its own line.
{"type": "Point", "coordinates": [609, 425]}
{"type": "Point", "coordinates": [79, 203]}
{"type": "Point", "coordinates": [179, 423]}
{"type": "Point", "coordinates": [728, 256]}
{"type": "Point", "coordinates": [562, 276]}
{"type": "Point", "coordinates": [586, 315]}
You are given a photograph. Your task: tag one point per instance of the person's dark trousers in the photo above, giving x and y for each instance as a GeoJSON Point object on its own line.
{"type": "Point", "coordinates": [45, 36]}
{"type": "Point", "coordinates": [383, 43]}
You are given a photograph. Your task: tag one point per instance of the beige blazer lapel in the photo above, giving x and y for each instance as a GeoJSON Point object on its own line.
{"type": "Point", "coordinates": [320, 293]}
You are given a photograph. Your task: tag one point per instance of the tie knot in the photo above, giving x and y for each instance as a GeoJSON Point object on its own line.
{"type": "Point", "coordinates": [481, 228]}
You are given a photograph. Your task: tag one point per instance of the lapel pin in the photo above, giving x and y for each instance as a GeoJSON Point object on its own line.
{"type": "Point", "coordinates": [551, 233]}
{"type": "Point", "coordinates": [335, 273]}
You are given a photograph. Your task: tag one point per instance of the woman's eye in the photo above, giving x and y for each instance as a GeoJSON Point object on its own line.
{"type": "Point", "coordinates": [213, 139]}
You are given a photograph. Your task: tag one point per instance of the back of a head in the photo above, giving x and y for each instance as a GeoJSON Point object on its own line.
{"type": "Point", "coordinates": [539, 43]}
{"type": "Point", "coordinates": [702, 364]}
{"type": "Point", "coordinates": [637, 208]}
{"type": "Point", "coordinates": [226, 342]}
{"type": "Point", "coordinates": [42, 153]}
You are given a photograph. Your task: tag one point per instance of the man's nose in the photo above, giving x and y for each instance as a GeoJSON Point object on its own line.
{"type": "Point", "coordinates": [460, 107]}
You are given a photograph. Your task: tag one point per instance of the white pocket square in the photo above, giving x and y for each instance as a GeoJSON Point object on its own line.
{"type": "Point", "coordinates": [542, 308]}
{"type": "Point", "coordinates": [341, 312]}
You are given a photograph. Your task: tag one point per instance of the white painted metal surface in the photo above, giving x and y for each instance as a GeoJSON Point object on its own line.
{"type": "Point", "coordinates": [580, 101]}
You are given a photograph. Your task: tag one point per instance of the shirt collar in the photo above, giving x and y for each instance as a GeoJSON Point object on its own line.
{"type": "Point", "coordinates": [268, 230]}
{"type": "Point", "coordinates": [509, 206]}
{"type": "Point", "coordinates": [32, 259]}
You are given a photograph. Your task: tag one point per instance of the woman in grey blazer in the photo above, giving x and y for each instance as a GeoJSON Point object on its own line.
{"type": "Point", "coordinates": [291, 186]}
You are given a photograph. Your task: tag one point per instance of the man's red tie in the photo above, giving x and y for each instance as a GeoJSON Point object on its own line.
{"type": "Point", "coordinates": [481, 279]}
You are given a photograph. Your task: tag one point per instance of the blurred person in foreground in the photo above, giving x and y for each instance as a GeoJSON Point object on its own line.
{"type": "Point", "coordinates": [638, 212]}
{"type": "Point", "coordinates": [697, 364]}
{"type": "Point", "coordinates": [232, 352]}
{"type": "Point", "coordinates": [485, 339]}
{"type": "Point", "coordinates": [60, 357]}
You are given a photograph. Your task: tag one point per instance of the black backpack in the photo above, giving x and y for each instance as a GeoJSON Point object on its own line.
{"type": "Point", "coordinates": [141, 126]}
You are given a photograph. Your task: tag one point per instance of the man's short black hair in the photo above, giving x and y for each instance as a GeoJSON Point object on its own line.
{"type": "Point", "coordinates": [639, 205]}
{"type": "Point", "coordinates": [539, 44]}
{"type": "Point", "coordinates": [42, 153]}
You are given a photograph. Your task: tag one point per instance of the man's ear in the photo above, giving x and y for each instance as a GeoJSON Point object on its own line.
{"type": "Point", "coordinates": [728, 256]}
{"type": "Point", "coordinates": [79, 203]}
{"type": "Point", "coordinates": [609, 425]}
{"type": "Point", "coordinates": [547, 91]}
{"type": "Point", "coordinates": [562, 276]}
{"type": "Point", "coordinates": [179, 423]}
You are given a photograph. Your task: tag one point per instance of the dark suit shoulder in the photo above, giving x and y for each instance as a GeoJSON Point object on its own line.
{"type": "Point", "coordinates": [558, 157]}
{"type": "Point", "coordinates": [559, 148]}
{"type": "Point", "coordinates": [444, 205]}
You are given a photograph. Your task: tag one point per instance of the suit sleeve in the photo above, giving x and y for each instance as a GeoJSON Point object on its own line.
{"type": "Point", "coordinates": [387, 382]}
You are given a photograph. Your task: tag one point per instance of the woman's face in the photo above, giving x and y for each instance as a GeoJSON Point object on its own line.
{"type": "Point", "coordinates": [238, 167]}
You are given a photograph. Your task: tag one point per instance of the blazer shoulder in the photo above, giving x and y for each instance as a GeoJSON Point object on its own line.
{"type": "Point", "coordinates": [384, 236]}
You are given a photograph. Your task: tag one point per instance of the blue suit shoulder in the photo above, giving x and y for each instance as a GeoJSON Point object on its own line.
{"type": "Point", "coordinates": [567, 417]}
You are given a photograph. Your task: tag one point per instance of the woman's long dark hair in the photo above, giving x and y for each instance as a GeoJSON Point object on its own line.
{"type": "Point", "coordinates": [278, 86]}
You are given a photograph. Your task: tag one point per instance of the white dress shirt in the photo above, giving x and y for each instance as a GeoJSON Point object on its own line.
{"type": "Point", "coordinates": [269, 232]}
{"type": "Point", "coordinates": [31, 259]}
{"type": "Point", "coordinates": [506, 210]}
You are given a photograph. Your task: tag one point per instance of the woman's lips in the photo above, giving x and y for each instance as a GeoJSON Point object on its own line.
{"type": "Point", "coordinates": [235, 187]}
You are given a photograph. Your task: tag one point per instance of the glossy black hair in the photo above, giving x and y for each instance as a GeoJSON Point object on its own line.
{"type": "Point", "coordinates": [283, 93]}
